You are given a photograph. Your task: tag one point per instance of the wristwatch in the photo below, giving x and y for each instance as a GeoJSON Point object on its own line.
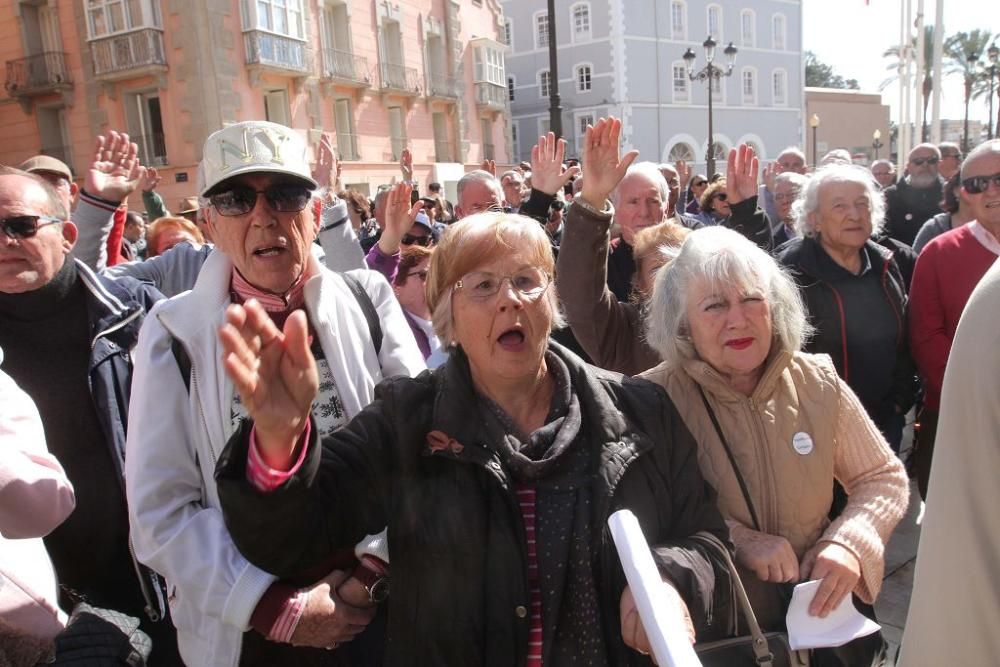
{"type": "Point", "coordinates": [376, 583]}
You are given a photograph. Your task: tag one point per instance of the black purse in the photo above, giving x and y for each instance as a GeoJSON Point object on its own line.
{"type": "Point", "coordinates": [96, 637]}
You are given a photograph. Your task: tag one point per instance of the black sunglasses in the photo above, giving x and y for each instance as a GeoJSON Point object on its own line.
{"type": "Point", "coordinates": [921, 161]}
{"type": "Point", "coordinates": [410, 239]}
{"type": "Point", "coordinates": [241, 199]}
{"type": "Point", "coordinates": [722, 196]}
{"type": "Point", "coordinates": [978, 184]}
{"type": "Point", "coordinates": [25, 226]}
{"type": "Point", "coordinates": [698, 184]}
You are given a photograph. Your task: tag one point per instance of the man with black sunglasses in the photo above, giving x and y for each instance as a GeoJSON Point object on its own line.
{"type": "Point", "coordinates": [948, 269]}
{"type": "Point", "coordinates": [67, 335]}
{"type": "Point", "coordinates": [916, 198]}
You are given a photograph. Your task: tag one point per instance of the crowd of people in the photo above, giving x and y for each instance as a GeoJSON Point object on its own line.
{"type": "Point", "coordinates": [287, 424]}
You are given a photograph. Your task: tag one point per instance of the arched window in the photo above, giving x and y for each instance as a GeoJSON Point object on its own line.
{"type": "Point", "coordinates": [748, 28]}
{"type": "Point", "coordinates": [720, 152]}
{"type": "Point", "coordinates": [583, 78]}
{"type": "Point", "coordinates": [681, 151]}
{"type": "Point", "coordinates": [579, 15]}
{"type": "Point", "coordinates": [778, 32]}
{"type": "Point", "coordinates": [715, 22]}
{"type": "Point", "coordinates": [779, 88]}
{"type": "Point", "coordinates": [755, 148]}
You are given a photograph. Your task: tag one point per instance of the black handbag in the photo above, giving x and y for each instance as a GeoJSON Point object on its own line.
{"type": "Point", "coordinates": [96, 637]}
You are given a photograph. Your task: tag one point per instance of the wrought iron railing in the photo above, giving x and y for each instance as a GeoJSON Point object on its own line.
{"type": "Point", "coordinates": [265, 48]}
{"type": "Point", "coordinates": [345, 66]}
{"type": "Point", "coordinates": [38, 73]}
{"type": "Point", "coordinates": [127, 51]}
{"type": "Point", "coordinates": [399, 77]}
{"type": "Point", "coordinates": [440, 85]}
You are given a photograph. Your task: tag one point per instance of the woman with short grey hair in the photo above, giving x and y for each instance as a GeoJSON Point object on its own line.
{"type": "Point", "coordinates": [855, 290]}
{"type": "Point", "coordinates": [775, 426]}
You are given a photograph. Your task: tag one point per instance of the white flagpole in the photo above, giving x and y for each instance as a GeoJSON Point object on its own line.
{"type": "Point", "coordinates": [938, 56]}
{"type": "Point", "coordinates": [918, 79]}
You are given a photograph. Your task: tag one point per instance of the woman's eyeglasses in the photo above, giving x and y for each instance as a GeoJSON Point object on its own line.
{"type": "Point", "coordinates": [25, 226]}
{"type": "Point", "coordinates": [481, 286]}
{"type": "Point", "coordinates": [979, 184]}
{"type": "Point", "coordinates": [411, 239]}
{"type": "Point", "coordinates": [241, 199]}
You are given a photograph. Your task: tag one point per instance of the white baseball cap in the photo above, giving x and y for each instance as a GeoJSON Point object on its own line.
{"type": "Point", "coordinates": [253, 146]}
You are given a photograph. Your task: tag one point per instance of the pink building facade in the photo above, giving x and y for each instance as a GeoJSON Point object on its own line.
{"type": "Point", "coordinates": [427, 75]}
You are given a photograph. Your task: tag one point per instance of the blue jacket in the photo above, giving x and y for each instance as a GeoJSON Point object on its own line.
{"type": "Point", "coordinates": [115, 312]}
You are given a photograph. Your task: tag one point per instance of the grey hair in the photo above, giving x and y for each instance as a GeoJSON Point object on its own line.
{"type": "Point", "coordinates": [513, 173]}
{"type": "Point", "coordinates": [724, 258]}
{"type": "Point", "coordinates": [892, 165]}
{"type": "Point", "coordinates": [808, 201]}
{"type": "Point", "coordinates": [793, 177]}
{"type": "Point", "coordinates": [933, 147]}
{"type": "Point", "coordinates": [52, 198]}
{"type": "Point", "coordinates": [792, 150]}
{"type": "Point", "coordinates": [651, 172]}
{"type": "Point", "coordinates": [480, 176]}
{"type": "Point", "coordinates": [837, 155]}
{"type": "Point", "coordinates": [991, 146]}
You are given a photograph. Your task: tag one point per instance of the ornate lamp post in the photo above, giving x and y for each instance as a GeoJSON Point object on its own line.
{"type": "Point", "coordinates": [876, 141]}
{"type": "Point", "coordinates": [710, 73]}
{"type": "Point", "coordinates": [993, 53]}
{"type": "Point", "coordinates": [814, 124]}
{"type": "Point", "coordinates": [555, 105]}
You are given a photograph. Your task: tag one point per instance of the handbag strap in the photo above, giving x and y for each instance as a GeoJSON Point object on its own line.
{"type": "Point", "coordinates": [732, 459]}
{"type": "Point", "coordinates": [761, 649]}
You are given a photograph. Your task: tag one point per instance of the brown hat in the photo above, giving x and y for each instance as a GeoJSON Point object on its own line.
{"type": "Point", "coordinates": [46, 163]}
{"type": "Point", "coordinates": [188, 205]}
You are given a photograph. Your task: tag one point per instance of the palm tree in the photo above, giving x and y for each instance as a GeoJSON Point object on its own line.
{"type": "Point", "coordinates": [984, 87]}
{"type": "Point", "coordinates": [928, 83]}
{"type": "Point", "coordinates": [964, 49]}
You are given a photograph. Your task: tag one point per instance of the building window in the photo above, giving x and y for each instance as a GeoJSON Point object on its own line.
{"type": "Point", "coordinates": [347, 141]}
{"type": "Point", "coordinates": [544, 84]}
{"type": "Point", "coordinates": [681, 151]}
{"type": "Point", "coordinates": [682, 84]}
{"type": "Point", "coordinates": [541, 30]}
{"type": "Point", "coordinates": [583, 79]}
{"type": "Point", "coordinates": [779, 82]}
{"type": "Point", "coordinates": [778, 31]}
{"type": "Point", "coordinates": [544, 125]}
{"type": "Point", "coordinates": [145, 125]}
{"type": "Point", "coordinates": [678, 20]}
{"type": "Point", "coordinates": [487, 63]}
{"type": "Point", "coordinates": [106, 17]}
{"type": "Point", "coordinates": [749, 86]}
{"type": "Point", "coordinates": [580, 19]}
{"type": "Point", "coordinates": [442, 138]}
{"type": "Point", "coordinates": [276, 106]}
{"type": "Point", "coordinates": [582, 121]}
{"type": "Point", "coordinates": [397, 131]}
{"type": "Point", "coordinates": [752, 145]}
{"type": "Point", "coordinates": [508, 33]}
{"type": "Point", "coordinates": [717, 90]}
{"type": "Point", "coordinates": [715, 22]}
{"type": "Point", "coordinates": [747, 27]}
{"type": "Point", "coordinates": [486, 130]}
{"type": "Point", "coordinates": [335, 27]}
{"type": "Point", "coordinates": [514, 143]}
{"type": "Point", "coordinates": [281, 16]}
{"type": "Point", "coordinates": [510, 88]}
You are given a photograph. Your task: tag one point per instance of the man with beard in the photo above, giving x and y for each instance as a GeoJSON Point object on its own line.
{"type": "Point", "coordinates": [916, 198]}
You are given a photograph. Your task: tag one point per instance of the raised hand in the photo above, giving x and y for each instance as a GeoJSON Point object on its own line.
{"type": "Point", "coordinates": [633, 632]}
{"type": "Point", "coordinates": [406, 164]}
{"type": "Point", "coordinates": [327, 170]}
{"type": "Point", "coordinates": [149, 180]}
{"type": "Point", "coordinates": [489, 166]}
{"type": "Point", "coordinates": [547, 173]}
{"type": "Point", "coordinates": [770, 557]}
{"type": "Point", "coordinates": [742, 171]}
{"type": "Point", "coordinates": [769, 174]}
{"type": "Point", "coordinates": [115, 171]}
{"type": "Point", "coordinates": [275, 374]}
{"type": "Point", "coordinates": [399, 217]}
{"type": "Point", "coordinates": [603, 166]}
{"type": "Point", "coordinates": [838, 569]}
{"type": "Point", "coordinates": [684, 173]}
{"type": "Point", "coordinates": [327, 620]}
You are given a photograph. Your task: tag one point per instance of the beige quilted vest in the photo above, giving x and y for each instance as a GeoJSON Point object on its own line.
{"type": "Point", "coordinates": [782, 437]}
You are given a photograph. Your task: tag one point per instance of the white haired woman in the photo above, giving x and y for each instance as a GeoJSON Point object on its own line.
{"type": "Point", "coordinates": [775, 426]}
{"type": "Point", "coordinates": [460, 462]}
{"type": "Point", "coordinates": [855, 291]}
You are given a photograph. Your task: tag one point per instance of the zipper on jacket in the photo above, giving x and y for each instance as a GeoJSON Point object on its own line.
{"type": "Point", "coordinates": [762, 438]}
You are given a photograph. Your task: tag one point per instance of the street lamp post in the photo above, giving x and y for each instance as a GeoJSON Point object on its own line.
{"type": "Point", "coordinates": [710, 73]}
{"type": "Point", "coordinates": [876, 141]}
{"type": "Point", "coordinates": [814, 124]}
{"type": "Point", "coordinates": [993, 53]}
{"type": "Point", "coordinates": [555, 106]}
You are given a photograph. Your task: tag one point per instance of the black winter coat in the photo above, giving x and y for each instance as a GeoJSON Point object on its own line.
{"type": "Point", "coordinates": [908, 208]}
{"type": "Point", "coordinates": [456, 538]}
{"type": "Point", "coordinates": [882, 381]}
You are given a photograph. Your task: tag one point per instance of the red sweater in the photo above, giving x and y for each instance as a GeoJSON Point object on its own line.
{"type": "Point", "coordinates": [947, 270]}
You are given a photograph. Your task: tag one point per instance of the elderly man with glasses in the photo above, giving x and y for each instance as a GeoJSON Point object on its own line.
{"type": "Point", "coordinates": [916, 198]}
{"type": "Point", "coordinates": [67, 335]}
{"type": "Point", "coordinates": [262, 206]}
{"type": "Point", "coordinates": [951, 159]}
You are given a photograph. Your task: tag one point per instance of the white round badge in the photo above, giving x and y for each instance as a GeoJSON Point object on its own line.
{"type": "Point", "coordinates": [802, 443]}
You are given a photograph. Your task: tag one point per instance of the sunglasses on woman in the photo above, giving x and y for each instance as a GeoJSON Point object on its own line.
{"type": "Point", "coordinates": [25, 226]}
{"type": "Point", "coordinates": [411, 239]}
{"type": "Point", "coordinates": [978, 184]}
{"type": "Point", "coordinates": [722, 196]}
{"type": "Point", "coordinates": [241, 199]}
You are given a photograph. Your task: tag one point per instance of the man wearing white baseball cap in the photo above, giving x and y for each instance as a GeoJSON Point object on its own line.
{"type": "Point", "coordinates": [260, 204]}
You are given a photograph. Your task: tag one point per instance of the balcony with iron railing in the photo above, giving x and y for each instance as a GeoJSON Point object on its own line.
{"type": "Point", "coordinates": [399, 79]}
{"type": "Point", "coordinates": [277, 52]}
{"type": "Point", "coordinates": [152, 149]}
{"type": "Point", "coordinates": [128, 54]}
{"type": "Point", "coordinates": [347, 146]}
{"type": "Point", "coordinates": [444, 151]}
{"type": "Point", "coordinates": [491, 96]}
{"type": "Point", "coordinates": [37, 75]}
{"type": "Point", "coordinates": [442, 86]}
{"type": "Point", "coordinates": [345, 68]}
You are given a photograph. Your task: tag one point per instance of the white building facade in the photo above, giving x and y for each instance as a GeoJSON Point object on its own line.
{"type": "Point", "coordinates": [624, 57]}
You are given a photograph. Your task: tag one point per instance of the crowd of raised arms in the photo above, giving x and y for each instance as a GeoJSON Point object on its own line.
{"type": "Point", "coordinates": [289, 425]}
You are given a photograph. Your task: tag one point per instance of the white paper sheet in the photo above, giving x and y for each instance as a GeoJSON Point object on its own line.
{"type": "Point", "coordinates": [839, 627]}
{"type": "Point", "coordinates": [664, 624]}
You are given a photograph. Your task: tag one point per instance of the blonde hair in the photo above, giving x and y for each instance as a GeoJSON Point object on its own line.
{"type": "Point", "coordinates": [477, 240]}
{"type": "Point", "coordinates": [161, 226]}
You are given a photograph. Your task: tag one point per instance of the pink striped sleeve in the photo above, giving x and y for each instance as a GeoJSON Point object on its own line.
{"type": "Point", "coordinates": [262, 476]}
